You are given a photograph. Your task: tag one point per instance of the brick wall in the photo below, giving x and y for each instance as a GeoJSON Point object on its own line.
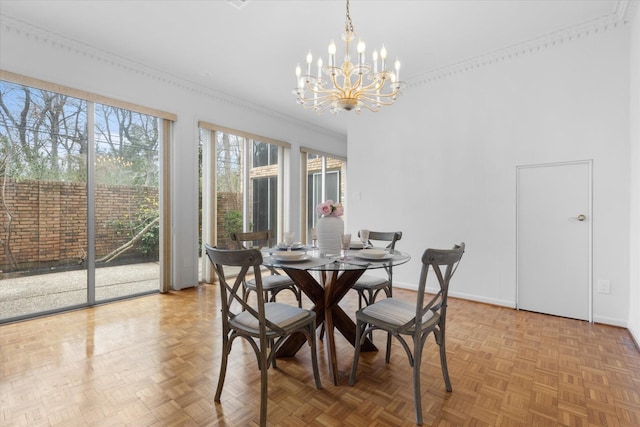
{"type": "Point", "coordinates": [48, 221]}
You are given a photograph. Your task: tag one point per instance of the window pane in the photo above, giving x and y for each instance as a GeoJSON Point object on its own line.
{"type": "Point", "coordinates": [229, 151]}
{"type": "Point", "coordinates": [126, 201]}
{"type": "Point", "coordinates": [265, 203]}
{"type": "Point", "coordinates": [43, 167]}
{"type": "Point", "coordinates": [332, 170]}
{"type": "Point", "coordinates": [263, 178]}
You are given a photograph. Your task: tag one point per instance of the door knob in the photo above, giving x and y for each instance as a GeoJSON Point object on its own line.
{"type": "Point", "coordinates": [579, 218]}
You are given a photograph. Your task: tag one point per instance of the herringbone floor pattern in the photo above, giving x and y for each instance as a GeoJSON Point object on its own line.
{"type": "Point", "coordinates": [153, 361]}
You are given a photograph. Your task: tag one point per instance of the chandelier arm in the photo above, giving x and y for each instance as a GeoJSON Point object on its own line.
{"type": "Point", "coordinates": [316, 107]}
{"type": "Point", "coordinates": [371, 108]}
{"type": "Point", "coordinates": [319, 100]}
{"type": "Point", "coordinates": [374, 96]}
{"type": "Point", "coordinates": [373, 102]}
{"type": "Point", "coordinates": [322, 90]}
{"type": "Point", "coordinates": [377, 85]}
{"type": "Point", "coordinates": [321, 97]}
{"type": "Point", "coordinates": [320, 107]}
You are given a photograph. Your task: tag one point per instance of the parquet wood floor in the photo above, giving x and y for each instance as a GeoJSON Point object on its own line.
{"type": "Point", "coordinates": [153, 361]}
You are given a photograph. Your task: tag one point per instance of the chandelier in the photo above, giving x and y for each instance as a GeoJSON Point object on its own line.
{"type": "Point", "coordinates": [354, 85]}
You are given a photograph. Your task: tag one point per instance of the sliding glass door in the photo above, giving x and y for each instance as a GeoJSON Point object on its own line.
{"type": "Point", "coordinates": [126, 201]}
{"type": "Point", "coordinates": [78, 208]}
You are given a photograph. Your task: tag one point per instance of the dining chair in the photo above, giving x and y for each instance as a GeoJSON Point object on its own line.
{"type": "Point", "coordinates": [415, 320]}
{"type": "Point", "coordinates": [368, 285]}
{"type": "Point", "coordinates": [264, 325]}
{"type": "Point", "coordinates": [273, 283]}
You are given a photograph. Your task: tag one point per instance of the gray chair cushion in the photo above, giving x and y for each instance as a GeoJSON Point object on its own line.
{"type": "Point", "coordinates": [371, 281]}
{"type": "Point", "coordinates": [270, 282]}
{"type": "Point", "coordinates": [395, 312]}
{"type": "Point", "coordinates": [282, 315]}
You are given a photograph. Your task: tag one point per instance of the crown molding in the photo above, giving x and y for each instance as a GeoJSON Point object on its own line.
{"type": "Point", "coordinates": [621, 15]}
{"type": "Point", "coordinates": [58, 41]}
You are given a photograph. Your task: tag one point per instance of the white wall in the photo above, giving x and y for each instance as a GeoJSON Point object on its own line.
{"type": "Point", "coordinates": [440, 165]}
{"type": "Point", "coordinates": [634, 253]}
{"type": "Point", "coordinates": [30, 52]}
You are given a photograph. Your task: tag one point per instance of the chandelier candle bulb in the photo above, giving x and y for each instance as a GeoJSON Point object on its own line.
{"type": "Point", "coordinates": [332, 54]}
{"type": "Point", "coordinates": [298, 79]}
{"type": "Point", "coordinates": [309, 61]}
{"type": "Point", "coordinates": [361, 49]}
{"type": "Point", "coordinates": [383, 57]}
{"type": "Point", "coordinates": [319, 68]}
{"type": "Point", "coordinates": [375, 61]}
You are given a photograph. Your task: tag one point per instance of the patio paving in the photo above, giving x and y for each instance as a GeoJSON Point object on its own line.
{"type": "Point", "coordinates": [28, 295]}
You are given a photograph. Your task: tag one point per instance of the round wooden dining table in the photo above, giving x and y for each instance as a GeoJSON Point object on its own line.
{"type": "Point", "coordinates": [335, 277]}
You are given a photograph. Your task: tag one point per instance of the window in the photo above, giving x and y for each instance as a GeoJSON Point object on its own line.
{"type": "Point", "coordinates": [81, 199]}
{"type": "Point", "coordinates": [265, 204]}
{"type": "Point", "coordinates": [264, 154]}
{"type": "Point", "coordinates": [325, 181]}
{"type": "Point", "coordinates": [247, 172]}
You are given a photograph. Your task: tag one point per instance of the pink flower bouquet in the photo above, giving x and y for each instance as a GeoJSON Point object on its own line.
{"type": "Point", "coordinates": [328, 208]}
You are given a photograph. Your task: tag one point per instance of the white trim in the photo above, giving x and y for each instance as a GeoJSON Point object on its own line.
{"type": "Point", "coordinates": [620, 15]}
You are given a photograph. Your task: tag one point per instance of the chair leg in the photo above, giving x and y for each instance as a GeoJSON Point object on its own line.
{"type": "Point", "coordinates": [368, 301]}
{"type": "Point", "coordinates": [356, 355]}
{"type": "Point", "coordinates": [223, 367]}
{"type": "Point", "coordinates": [263, 388]}
{"type": "Point", "coordinates": [314, 356]}
{"type": "Point", "coordinates": [417, 395]}
{"type": "Point", "coordinates": [443, 364]}
{"type": "Point", "coordinates": [273, 363]}
{"type": "Point", "coordinates": [387, 356]}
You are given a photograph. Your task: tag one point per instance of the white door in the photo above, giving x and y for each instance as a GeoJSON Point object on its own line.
{"type": "Point", "coordinates": [554, 239]}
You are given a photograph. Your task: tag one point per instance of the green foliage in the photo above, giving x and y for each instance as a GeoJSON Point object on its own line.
{"type": "Point", "coordinates": [150, 241]}
{"type": "Point", "coordinates": [232, 222]}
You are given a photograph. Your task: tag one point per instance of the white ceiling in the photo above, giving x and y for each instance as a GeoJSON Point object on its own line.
{"type": "Point", "coordinates": [251, 52]}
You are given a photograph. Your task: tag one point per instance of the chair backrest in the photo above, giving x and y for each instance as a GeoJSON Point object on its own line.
{"type": "Point", "coordinates": [249, 261]}
{"type": "Point", "coordinates": [435, 259]}
{"type": "Point", "coordinates": [253, 239]}
{"type": "Point", "coordinates": [389, 237]}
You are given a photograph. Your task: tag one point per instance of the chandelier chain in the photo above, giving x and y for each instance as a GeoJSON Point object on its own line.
{"type": "Point", "coordinates": [348, 24]}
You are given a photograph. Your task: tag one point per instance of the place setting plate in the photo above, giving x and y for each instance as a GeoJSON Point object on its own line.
{"type": "Point", "coordinates": [356, 244]}
{"type": "Point", "coordinates": [294, 247]}
{"type": "Point", "coordinates": [374, 254]}
{"type": "Point", "coordinates": [290, 256]}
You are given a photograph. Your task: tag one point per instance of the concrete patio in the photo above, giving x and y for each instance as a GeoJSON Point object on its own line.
{"type": "Point", "coordinates": [28, 295]}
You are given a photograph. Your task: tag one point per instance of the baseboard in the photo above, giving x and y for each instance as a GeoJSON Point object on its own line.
{"type": "Point", "coordinates": [634, 331]}
{"type": "Point", "coordinates": [470, 297]}
{"type": "Point", "coordinates": [610, 321]}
